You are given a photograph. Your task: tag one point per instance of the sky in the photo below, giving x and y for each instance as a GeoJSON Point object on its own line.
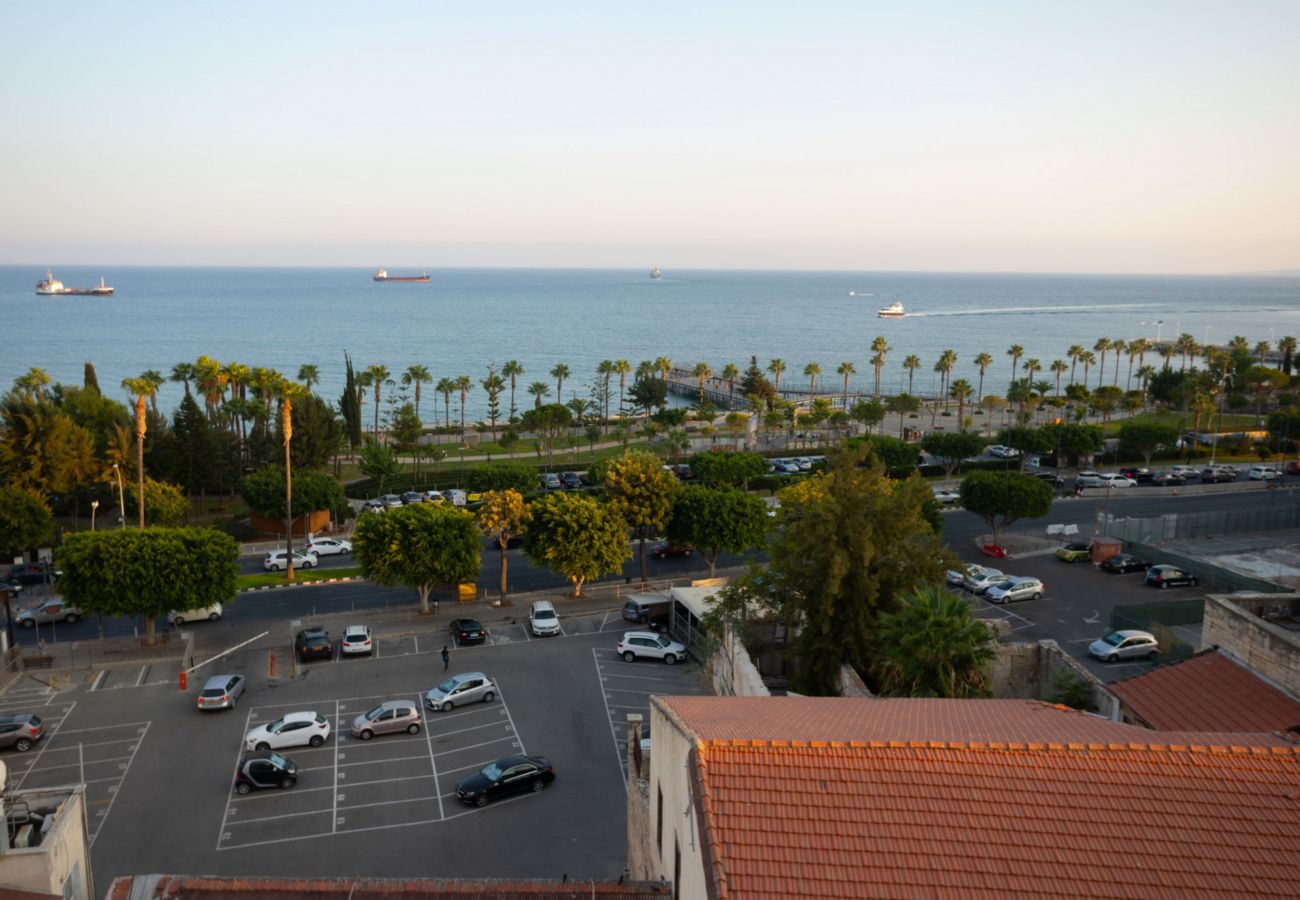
{"type": "Point", "coordinates": [925, 136]}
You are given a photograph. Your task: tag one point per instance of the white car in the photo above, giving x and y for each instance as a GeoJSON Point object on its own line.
{"type": "Point", "coordinates": [275, 561]}
{"type": "Point", "coordinates": [650, 645]}
{"type": "Point", "coordinates": [1186, 471]}
{"type": "Point", "coordinates": [1115, 480]}
{"type": "Point", "coordinates": [1125, 645]}
{"type": "Point", "coordinates": [979, 578]}
{"type": "Point", "coordinates": [295, 729]}
{"type": "Point", "coordinates": [946, 496]}
{"type": "Point", "coordinates": [208, 613]}
{"type": "Point", "coordinates": [455, 496]}
{"type": "Point", "coordinates": [391, 501]}
{"type": "Point", "coordinates": [1263, 473]}
{"type": "Point", "coordinates": [356, 640]}
{"type": "Point", "coordinates": [1001, 452]}
{"type": "Point", "coordinates": [1015, 588]}
{"type": "Point", "coordinates": [329, 547]}
{"type": "Point", "coordinates": [542, 619]}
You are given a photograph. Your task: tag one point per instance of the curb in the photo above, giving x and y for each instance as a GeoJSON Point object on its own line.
{"type": "Point", "coordinates": [301, 584]}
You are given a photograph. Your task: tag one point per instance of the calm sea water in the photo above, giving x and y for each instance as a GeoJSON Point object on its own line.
{"type": "Point", "coordinates": [465, 319]}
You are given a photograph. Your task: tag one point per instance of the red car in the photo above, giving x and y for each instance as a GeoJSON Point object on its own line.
{"type": "Point", "coordinates": [1293, 467]}
{"type": "Point", "coordinates": [664, 549]}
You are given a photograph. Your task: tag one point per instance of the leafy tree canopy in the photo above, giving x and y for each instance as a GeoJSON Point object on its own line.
{"type": "Point", "coordinates": [723, 467]}
{"type": "Point", "coordinates": [649, 393]}
{"type": "Point", "coordinates": [669, 417]}
{"type": "Point", "coordinates": [378, 463]}
{"type": "Point", "coordinates": [421, 547]}
{"type": "Point", "coordinates": [932, 646]}
{"type": "Point", "coordinates": [1002, 498]}
{"type": "Point", "coordinates": [1073, 440]}
{"type": "Point", "coordinates": [641, 491]}
{"type": "Point", "coordinates": [164, 503]}
{"type": "Point", "coordinates": [318, 432]}
{"type": "Point", "coordinates": [717, 520]}
{"type": "Point", "coordinates": [503, 476]}
{"type": "Point", "coordinates": [501, 515]}
{"type": "Point", "coordinates": [25, 523]}
{"type": "Point", "coordinates": [898, 456]}
{"type": "Point", "coordinates": [1146, 437]}
{"type": "Point", "coordinates": [575, 536]}
{"type": "Point", "coordinates": [263, 491]}
{"type": "Point", "coordinates": [950, 448]}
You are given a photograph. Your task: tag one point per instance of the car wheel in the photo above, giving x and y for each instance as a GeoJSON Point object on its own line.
{"type": "Point", "coordinates": [287, 782]}
{"type": "Point", "coordinates": [487, 698]}
{"type": "Point", "coordinates": [212, 617]}
{"type": "Point", "coordinates": [178, 621]}
{"type": "Point", "coordinates": [316, 740]}
{"type": "Point", "coordinates": [242, 787]}
{"type": "Point", "coordinates": [1151, 655]}
{"type": "Point", "coordinates": [1036, 596]}
{"type": "Point", "coordinates": [413, 728]}
{"type": "Point", "coordinates": [629, 656]}
{"type": "Point", "coordinates": [670, 660]}
{"type": "Point", "coordinates": [1113, 658]}
{"type": "Point", "coordinates": [22, 745]}
{"type": "Point", "coordinates": [233, 701]}
{"type": "Point", "coordinates": [366, 735]}
{"type": "Point", "coordinates": [262, 745]}
{"type": "Point", "coordinates": [481, 801]}
{"type": "Point", "coordinates": [447, 705]}
{"type": "Point", "coordinates": [1164, 585]}
{"type": "Point", "coordinates": [538, 784]}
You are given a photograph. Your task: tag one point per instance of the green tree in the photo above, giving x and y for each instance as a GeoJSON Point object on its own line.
{"type": "Point", "coordinates": [898, 456]}
{"type": "Point", "coordinates": [493, 385]}
{"type": "Point", "coordinates": [649, 394]}
{"type": "Point", "coordinates": [512, 370]}
{"type": "Point", "coordinates": [548, 422]}
{"type": "Point", "coordinates": [902, 405]}
{"type": "Point", "coordinates": [950, 448]}
{"type": "Point", "coordinates": [317, 432]}
{"type": "Point", "coordinates": [149, 572]}
{"type": "Point", "coordinates": [755, 387]}
{"type": "Point", "coordinates": [164, 503]}
{"type": "Point", "coordinates": [349, 405]}
{"type": "Point", "coordinates": [717, 520]}
{"type": "Point", "coordinates": [1146, 437]}
{"type": "Point", "coordinates": [420, 547]}
{"type": "Point", "coordinates": [1073, 441]}
{"type": "Point", "coordinates": [263, 492]}
{"type": "Point", "coordinates": [1003, 498]}
{"type": "Point", "coordinates": [501, 516]}
{"type": "Point", "coordinates": [723, 468]}
{"type": "Point", "coordinates": [932, 646]}
{"type": "Point", "coordinates": [868, 412]}
{"type": "Point", "coordinates": [503, 476]}
{"type": "Point", "coordinates": [25, 523]}
{"type": "Point", "coordinates": [575, 536]}
{"type": "Point", "coordinates": [641, 491]}
{"type": "Point", "coordinates": [417, 375]}
{"type": "Point", "coordinates": [379, 464]}
{"type": "Point", "coordinates": [406, 428]}
{"type": "Point", "coordinates": [559, 373]}
{"type": "Point", "coordinates": [193, 448]}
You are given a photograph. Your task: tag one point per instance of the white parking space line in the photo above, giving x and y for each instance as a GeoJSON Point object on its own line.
{"type": "Point", "coordinates": [45, 743]}
{"type": "Point", "coordinates": [222, 834]}
{"type": "Point", "coordinates": [508, 737]}
{"type": "Point", "coordinates": [600, 677]}
{"type": "Point", "coordinates": [125, 771]}
{"type": "Point", "coordinates": [467, 730]}
{"type": "Point", "coordinates": [374, 762]}
{"type": "Point", "coordinates": [334, 818]}
{"type": "Point", "coordinates": [428, 741]}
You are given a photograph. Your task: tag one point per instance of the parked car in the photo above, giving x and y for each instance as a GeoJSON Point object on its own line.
{"type": "Point", "coordinates": [1116, 480]}
{"type": "Point", "coordinates": [389, 717]}
{"type": "Point", "coordinates": [1055, 479]}
{"type": "Point", "coordinates": [1125, 645]}
{"type": "Point", "coordinates": [460, 690]}
{"type": "Point", "coordinates": [551, 481]}
{"type": "Point", "coordinates": [468, 631]}
{"type": "Point", "coordinates": [1169, 479]}
{"type": "Point", "coordinates": [665, 549]}
{"type": "Point", "coordinates": [295, 729]}
{"type": "Point", "coordinates": [1263, 473]}
{"type": "Point", "coordinates": [1075, 551]}
{"type": "Point", "coordinates": [373, 506]}
{"type": "Point", "coordinates": [980, 578]}
{"type": "Point", "coordinates": [55, 609]}
{"type": "Point", "coordinates": [314, 643]}
{"type": "Point", "coordinates": [1124, 562]}
{"type": "Point", "coordinates": [1218, 474]}
{"type": "Point", "coordinates": [1293, 467]}
{"type": "Point", "coordinates": [651, 646]}
{"type": "Point", "coordinates": [202, 614]}
{"type": "Point", "coordinates": [220, 692]}
{"type": "Point", "coordinates": [391, 501]}
{"type": "Point", "coordinates": [28, 574]}
{"type": "Point", "coordinates": [409, 497]}
{"type": "Point", "coordinates": [1163, 576]}
{"type": "Point", "coordinates": [507, 775]}
{"type": "Point", "coordinates": [324, 546]}
{"type": "Point", "coordinates": [1013, 589]}
{"type": "Point", "coordinates": [265, 769]}
{"type": "Point", "coordinates": [455, 496]}
{"type": "Point", "coordinates": [542, 618]}
{"type": "Point", "coordinates": [957, 577]}
{"type": "Point", "coordinates": [20, 731]}
{"type": "Point", "coordinates": [276, 561]}
{"type": "Point", "coordinates": [571, 480]}
{"type": "Point", "coordinates": [1186, 471]}
{"type": "Point", "coordinates": [647, 609]}
{"type": "Point", "coordinates": [946, 496]}
{"type": "Point", "coordinates": [1001, 452]}
{"type": "Point", "coordinates": [356, 640]}
{"type": "Point", "coordinates": [434, 497]}
{"type": "Point", "coordinates": [1139, 474]}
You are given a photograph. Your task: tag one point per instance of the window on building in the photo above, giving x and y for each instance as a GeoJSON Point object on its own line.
{"type": "Point", "coordinates": [659, 823]}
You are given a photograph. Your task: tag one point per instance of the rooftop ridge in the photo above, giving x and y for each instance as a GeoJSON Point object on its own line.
{"type": "Point", "coordinates": [705, 744]}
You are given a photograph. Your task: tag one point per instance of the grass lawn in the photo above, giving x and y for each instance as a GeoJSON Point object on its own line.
{"type": "Point", "coordinates": [268, 579]}
{"type": "Point", "coordinates": [1231, 421]}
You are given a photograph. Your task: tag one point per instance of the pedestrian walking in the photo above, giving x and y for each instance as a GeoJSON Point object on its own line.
{"type": "Point", "coordinates": [446, 658]}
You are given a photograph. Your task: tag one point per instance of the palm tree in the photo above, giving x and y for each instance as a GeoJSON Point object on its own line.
{"type": "Point", "coordinates": [702, 373]}
{"type": "Point", "coordinates": [559, 373]}
{"type": "Point", "coordinates": [1015, 351]}
{"type": "Point", "coordinates": [463, 384]}
{"type": "Point", "coordinates": [183, 372]}
{"type": "Point", "coordinates": [1058, 368]}
{"type": "Point", "coordinates": [142, 388]}
{"type": "Point", "coordinates": [846, 369]}
{"type": "Point", "coordinates": [1136, 348]}
{"type": "Point", "coordinates": [730, 372]}
{"type": "Point", "coordinates": [622, 367]}
{"type": "Point", "coordinates": [1088, 360]}
{"type": "Point", "coordinates": [309, 375]}
{"type": "Point", "coordinates": [932, 646]}
{"type": "Point", "coordinates": [879, 347]}
{"type": "Point", "coordinates": [1287, 347]}
{"type": "Point", "coordinates": [378, 375]}
{"type": "Point", "coordinates": [539, 389]}
{"type": "Point", "coordinates": [1073, 355]}
{"type": "Point", "coordinates": [417, 375]}
{"type": "Point", "coordinates": [1145, 374]}
{"type": "Point", "coordinates": [644, 369]}
{"type": "Point", "coordinates": [446, 387]}
{"type": "Point", "coordinates": [1118, 346]}
{"type": "Point", "coordinates": [605, 370]}
{"type": "Point", "coordinates": [776, 367]}
{"type": "Point", "coordinates": [961, 392]}
{"type": "Point", "coordinates": [911, 364]}
{"type": "Point", "coordinates": [1167, 352]}
{"type": "Point", "coordinates": [1261, 350]}
{"type": "Point", "coordinates": [1186, 345]}
{"type": "Point", "coordinates": [983, 360]}
{"type": "Point", "coordinates": [811, 371]}
{"type": "Point", "coordinates": [1102, 345]}
{"type": "Point", "coordinates": [512, 370]}
{"type": "Point", "coordinates": [663, 365]}
{"type": "Point", "coordinates": [1031, 366]}
{"type": "Point", "coordinates": [944, 367]}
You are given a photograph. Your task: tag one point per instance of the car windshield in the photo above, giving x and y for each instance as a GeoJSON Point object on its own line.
{"type": "Point", "coordinates": [1113, 639]}
{"type": "Point", "coordinates": [279, 760]}
{"type": "Point", "coordinates": [1004, 585]}
{"type": "Point", "coordinates": [374, 713]}
{"type": "Point", "coordinates": [544, 614]}
{"type": "Point", "coordinates": [470, 625]}
{"type": "Point", "coordinates": [447, 686]}
{"type": "Point", "coordinates": [664, 642]}
{"type": "Point", "coordinates": [275, 726]}
{"type": "Point", "coordinates": [491, 771]}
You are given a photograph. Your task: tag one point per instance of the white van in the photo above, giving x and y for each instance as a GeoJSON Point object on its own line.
{"type": "Point", "coordinates": [180, 617]}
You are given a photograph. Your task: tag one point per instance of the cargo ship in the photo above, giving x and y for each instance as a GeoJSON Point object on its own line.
{"type": "Point", "coordinates": [52, 286]}
{"type": "Point", "coordinates": [382, 275]}
{"type": "Point", "coordinates": [656, 273]}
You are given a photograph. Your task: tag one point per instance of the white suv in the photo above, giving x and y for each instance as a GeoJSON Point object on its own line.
{"type": "Point", "coordinates": [181, 616]}
{"type": "Point", "coordinates": [542, 619]}
{"type": "Point", "coordinates": [651, 645]}
{"type": "Point", "coordinates": [1263, 473]}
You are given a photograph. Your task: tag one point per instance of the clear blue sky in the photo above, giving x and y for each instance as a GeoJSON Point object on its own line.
{"type": "Point", "coordinates": [1098, 137]}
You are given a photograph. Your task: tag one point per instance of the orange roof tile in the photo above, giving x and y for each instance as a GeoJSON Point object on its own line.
{"type": "Point", "coordinates": [1209, 692]}
{"type": "Point", "coordinates": [923, 798]}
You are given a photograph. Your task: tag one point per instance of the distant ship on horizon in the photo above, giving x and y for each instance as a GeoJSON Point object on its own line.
{"type": "Point", "coordinates": [655, 273]}
{"type": "Point", "coordinates": [51, 286]}
{"type": "Point", "coordinates": [381, 274]}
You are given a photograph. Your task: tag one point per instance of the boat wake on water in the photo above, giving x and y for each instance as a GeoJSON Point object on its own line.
{"type": "Point", "coordinates": [1040, 310]}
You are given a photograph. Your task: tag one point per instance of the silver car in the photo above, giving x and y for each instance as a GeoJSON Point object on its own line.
{"type": "Point", "coordinates": [220, 692]}
{"type": "Point", "coordinates": [458, 690]}
{"type": "Point", "coordinates": [386, 718]}
{"type": "Point", "coordinates": [1015, 589]}
{"type": "Point", "coordinates": [980, 578]}
{"type": "Point", "coordinates": [56, 609]}
{"type": "Point", "coordinates": [1125, 645]}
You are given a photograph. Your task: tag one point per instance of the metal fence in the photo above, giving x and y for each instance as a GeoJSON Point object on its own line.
{"type": "Point", "coordinates": [1156, 618]}
{"type": "Point", "coordinates": [1207, 573]}
{"type": "Point", "coordinates": [1182, 526]}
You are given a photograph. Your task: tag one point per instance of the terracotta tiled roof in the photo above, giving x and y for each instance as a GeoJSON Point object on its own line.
{"type": "Point", "coordinates": [1208, 692]}
{"type": "Point", "coordinates": [918, 798]}
{"type": "Point", "coordinates": [188, 887]}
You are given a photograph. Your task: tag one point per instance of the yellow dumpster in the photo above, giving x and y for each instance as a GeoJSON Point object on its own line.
{"type": "Point", "coordinates": [467, 592]}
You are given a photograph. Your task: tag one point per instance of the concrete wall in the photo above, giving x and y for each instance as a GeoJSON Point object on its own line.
{"type": "Point", "coordinates": [641, 855]}
{"type": "Point", "coordinates": [851, 684]}
{"type": "Point", "coordinates": [1238, 625]}
{"type": "Point", "coordinates": [60, 864]}
{"type": "Point", "coordinates": [1026, 671]}
{"type": "Point", "coordinates": [732, 672]}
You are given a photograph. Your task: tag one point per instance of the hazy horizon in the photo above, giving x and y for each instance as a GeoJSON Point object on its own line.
{"type": "Point", "coordinates": [930, 137]}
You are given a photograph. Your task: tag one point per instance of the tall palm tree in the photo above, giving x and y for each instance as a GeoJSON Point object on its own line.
{"type": "Point", "coordinates": [846, 369]}
{"type": "Point", "coordinates": [702, 373]}
{"type": "Point", "coordinates": [559, 373]}
{"type": "Point", "coordinates": [605, 370]}
{"type": "Point", "coordinates": [539, 389]}
{"type": "Point", "coordinates": [730, 372]}
{"type": "Point", "coordinates": [961, 392]}
{"type": "Point", "coordinates": [1145, 374]}
{"type": "Point", "coordinates": [622, 367]}
{"type": "Point", "coordinates": [811, 371]}
{"type": "Point", "coordinates": [1088, 360]}
{"type": "Point", "coordinates": [983, 360]}
{"type": "Point", "coordinates": [1167, 352]}
{"type": "Point", "coordinates": [1187, 346]}
{"type": "Point", "coordinates": [1117, 346]}
{"type": "Point", "coordinates": [463, 384]}
{"type": "Point", "coordinates": [664, 366]}
{"type": "Point", "coordinates": [1058, 368]}
{"type": "Point", "coordinates": [446, 387]}
{"type": "Point", "coordinates": [142, 389]}
{"type": "Point", "coordinates": [1073, 355]}
{"type": "Point", "coordinates": [645, 369]}
{"type": "Point", "coordinates": [1136, 348]}
{"type": "Point", "coordinates": [911, 364]}
{"type": "Point", "coordinates": [776, 367]}
{"type": "Point", "coordinates": [879, 347]}
{"type": "Point", "coordinates": [309, 375]}
{"type": "Point", "coordinates": [207, 377]}
{"type": "Point", "coordinates": [1031, 366]}
{"type": "Point", "coordinates": [1287, 347]}
{"type": "Point", "coordinates": [1261, 350]}
{"type": "Point", "coordinates": [512, 370]}
{"type": "Point", "coordinates": [1015, 351]}
{"type": "Point", "coordinates": [378, 375]}
{"type": "Point", "coordinates": [1102, 346]}
{"type": "Point", "coordinates": [417, 375]}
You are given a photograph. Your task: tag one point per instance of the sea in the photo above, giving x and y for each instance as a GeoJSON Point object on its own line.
{"type": "Point", "coordinates": [465, 320]}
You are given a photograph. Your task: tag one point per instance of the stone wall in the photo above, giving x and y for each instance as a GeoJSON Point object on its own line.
{"type": "Point", "coordinates": [640, 831]}
{"type": "Point", "coordinates": [732, 672]}
{"type": "Point", "coordinates": [1027, 671]}
{"type": "Point", "coordinates": [1240, 626]}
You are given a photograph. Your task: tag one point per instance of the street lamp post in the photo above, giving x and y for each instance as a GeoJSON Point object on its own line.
{"type": "Point", "coordinates": [94, 506]}
{"type": "Point", "coordinates": [121, 500]}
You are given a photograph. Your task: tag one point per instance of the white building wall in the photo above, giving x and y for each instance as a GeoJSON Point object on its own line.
{"type": "Point", "coordinates": [675, 826]}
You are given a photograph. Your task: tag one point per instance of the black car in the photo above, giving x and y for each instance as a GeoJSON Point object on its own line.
{"type": "Point", "coordinates": [1051, 478]}
{"type": "Point", "coordinates": [265, 769]}
{"type": "Point", "coordinates": [314, 643]}
{"type": "Point", "coordinates": [1138, 473]}
{"type": "Point", "coordinates": [1168, 479]}
{"type": "Point", "coordinates": [1217, 474]}
{"type": "Point", "coordinates": [413, 497]}
{"type": "Point", "coordinates": [30, 573]}
{"type": "Point", "coordinates": [1164, 576]}
{"type": "Point", "coordinates": [508, 775]}
{"type": "Point", "coordinates": [468, 631]}
{"type": "Point", "coordinates": [1124, 562]}
{"type": "Point", "coordinates": [571, 480]}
